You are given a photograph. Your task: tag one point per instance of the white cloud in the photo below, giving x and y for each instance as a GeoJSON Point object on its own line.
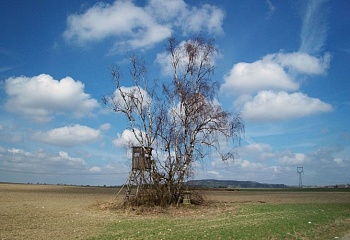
{"type": "Point", "coordinates": [271, 8]}
{"type": "Point", "coordinates": [105, 126]}
{"type": "Point", "coordinates": [302, 62]}
{"type": "Point", "coordinates": [19, 151]}
{"type": "Point", "coordinates": [41, 97]}
{"type": "Point", "coordinates": [122, 18]}
{"type": "Point", "coordinates": [263, 74]}
{"type": "Point", "coordinates": [68, 136]}
{"type": "Point", "coordinates": [163, 59]}
{"type": "Point", "coordinates": [262, 87]}
{"type": "Point", "coordinates": [247, 165]}
{"type": "Point", "coordinates": [71, 161]}
{"type": "Point", "coordinates": [214, 174]}
{"type": "Point", "coordinates": [314, 29]}
{"type": "Point", "coordinates": [258, 147]}
{"type": "Point", "coordinates": [134, 96]}
{"type": "Point", "coordinates": [95, 169]}
{"type": "Point", "coordinates": [265, 89]}
{"type": "Point", "coordinates": [270, 106]}
{"type": "Point", "coordinates": [257, 151]}
{"type": "Point", "coordinates": [133, 26]}
{"type": "Point", "coordinates": [240, 162]}
{"type": "Point", "coordinates": [40, 161]}
{"type": "Point", "coordinates": [20, 165]}
{"type": "Point", "coordinates": [190, 19]}
{"type": "Point", "coordinates": [127, 138]}
{"type": "Point", "coordinates": [207, 17]}
{"type": "Point", "coordinates": [294, 159]}
{"type": "Point", "coordinates": [341, 162]}
{"type": "Point", "coordinates": [273, 72]}
{"type": "Point", "coordinates": [280, 166]}
{"type": "Point", "coordinates": [165, 10]}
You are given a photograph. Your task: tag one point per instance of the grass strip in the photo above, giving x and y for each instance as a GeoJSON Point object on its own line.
{"type": "Point", "coordinates": [248, 221]}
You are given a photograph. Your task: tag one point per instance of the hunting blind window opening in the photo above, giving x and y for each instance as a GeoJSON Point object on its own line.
{"type": "Point", "coordinates": [141, 158]}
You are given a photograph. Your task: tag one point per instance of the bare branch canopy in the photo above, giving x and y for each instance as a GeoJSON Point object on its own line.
{"type": "Point", "coordinates": [180, 119]}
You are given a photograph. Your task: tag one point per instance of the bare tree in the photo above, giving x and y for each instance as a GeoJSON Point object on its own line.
{"type": "Point", "coordinates": [184, 123]}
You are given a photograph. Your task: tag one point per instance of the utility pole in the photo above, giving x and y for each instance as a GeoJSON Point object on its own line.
{"type": "Point", "coordinates": [300, 170]}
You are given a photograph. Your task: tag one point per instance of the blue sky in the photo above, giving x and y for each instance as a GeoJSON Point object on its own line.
{"type": "Point", "coordinates": [283, 64]}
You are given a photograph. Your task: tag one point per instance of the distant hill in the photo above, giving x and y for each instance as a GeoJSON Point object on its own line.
{"type": "Point", "coordinates": [213, 183]}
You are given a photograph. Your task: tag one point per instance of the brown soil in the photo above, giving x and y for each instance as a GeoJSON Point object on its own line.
{"type": "Point", "coordinates": [51, 212]}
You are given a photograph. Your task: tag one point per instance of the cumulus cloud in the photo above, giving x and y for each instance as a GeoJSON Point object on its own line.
{"type": "Point", "coordinates": [39, 161]}
{"type": "Point", "coordinates": [302, 63]}
{"type": "Point", "coordinates": [257, 151]}
{"type": "Point", "coordinates": [206, 17]}
{"type": "Point", "coordinates": [245, 164]}
{"type": "Point", "coordinates": [42, 164]}
{"type": "Point", "coordinates": [165, 10]}
{"type": "Point", "coordinates": [273, 72]}
{"type": "Point", "coordinates": [294, 159]}
{"type": "Point", "coordinates": [265, 90]}
{"type": "Point", "coordinates": [270, 106]}
{"type": "Point", "coordinates": [68, 136]}
{"type": "Point", "coordinates": [126, 138]}
{"type": "Point", "coordinates": [134, 26]}
{"type": "Point", "coordinates": [253, 77]}
{"type": "Point", "coordinates": [134, 96]}
{"type": "Point", "coordinates": [19, 151]}
{"type": "Point", "coordinates": [163, 59]}
{"type": "Point", "coordinates": [71, 161]}
{"type": "Point", "coordinates": [41, 97]}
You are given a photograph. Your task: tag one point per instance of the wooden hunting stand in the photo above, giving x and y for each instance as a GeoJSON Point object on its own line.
{"type": "Point", "coordinates": [140, 170]}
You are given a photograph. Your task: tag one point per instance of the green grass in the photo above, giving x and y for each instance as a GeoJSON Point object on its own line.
{"type": "Point", "coordinates": [308, 190]}
{"type": "Point", "coordinates": [246, 221]}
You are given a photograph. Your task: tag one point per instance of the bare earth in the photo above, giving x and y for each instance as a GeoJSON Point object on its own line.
{"type": "Point", "coordinates": [67, 212]}
{"type": "Point", "coordinates": [51, 212]}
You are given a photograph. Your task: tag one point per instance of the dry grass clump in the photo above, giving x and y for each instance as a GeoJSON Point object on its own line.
{"type": "Point", "coordinates": [198, 197]}
{"type": "Point", "coordinates": [200, 204]}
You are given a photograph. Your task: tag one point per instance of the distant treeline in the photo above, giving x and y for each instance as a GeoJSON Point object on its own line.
{"type": "Point", "coordinates": [212, 183]}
